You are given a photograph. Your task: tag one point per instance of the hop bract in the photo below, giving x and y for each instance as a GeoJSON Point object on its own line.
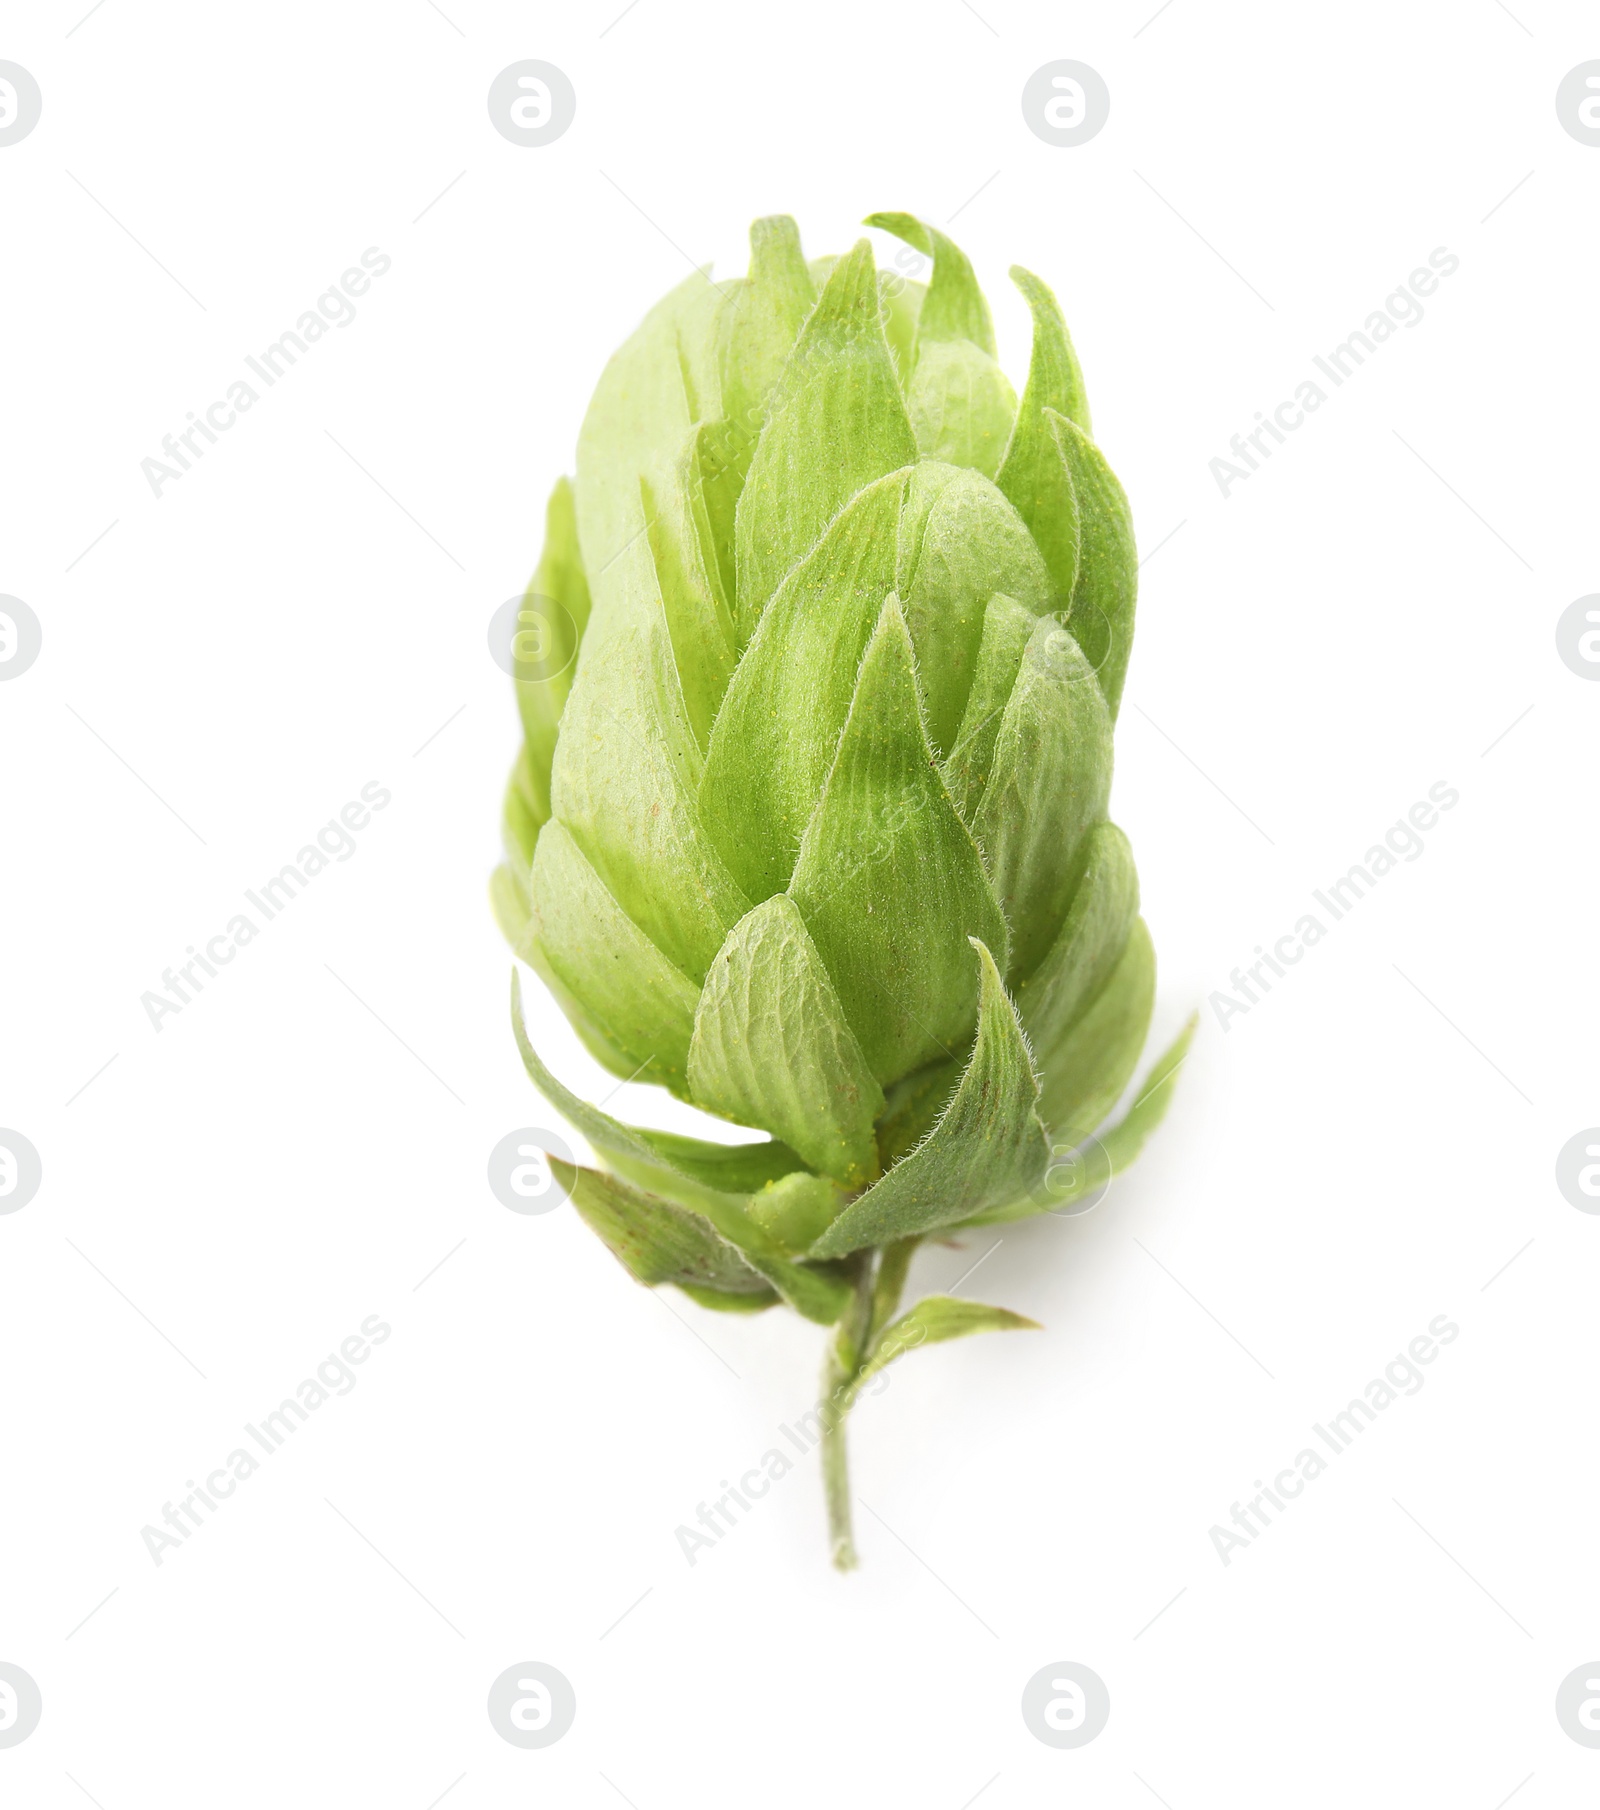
{"type": "Point", "coordinates": [809, 824]}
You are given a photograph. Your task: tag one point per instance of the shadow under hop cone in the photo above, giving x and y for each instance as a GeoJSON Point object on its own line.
{"type": "Point", "coordinates": [809, 823]}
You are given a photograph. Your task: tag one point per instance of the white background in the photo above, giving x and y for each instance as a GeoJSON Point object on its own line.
{"type": "Point", "coordinates": [303, 1145]}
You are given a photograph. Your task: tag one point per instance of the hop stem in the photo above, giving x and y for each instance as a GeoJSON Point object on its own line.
{"type": "Point", "coordinates": [892, 1268]}
{"type": "Point", "coordinates": [878, 1280]}
{"type": "Point", "coordinates": [836, 1488]}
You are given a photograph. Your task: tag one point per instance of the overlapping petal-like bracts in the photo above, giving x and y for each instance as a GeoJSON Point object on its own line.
{"type": "Point", "coordinates": [813, 829]}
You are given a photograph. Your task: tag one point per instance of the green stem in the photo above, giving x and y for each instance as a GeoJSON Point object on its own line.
{"type": "Point", "coordinates": [892, 1268]}
{"type": "Point", "coordinates": [872, 1306]}
{"type": "Point", "coordinates": [844, 1360]}
{"type": "Point", "coordinates": [836, 1492]}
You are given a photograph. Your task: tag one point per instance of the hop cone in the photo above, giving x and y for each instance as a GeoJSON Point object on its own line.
{"type": "Point", "coordinates": [809, 824]}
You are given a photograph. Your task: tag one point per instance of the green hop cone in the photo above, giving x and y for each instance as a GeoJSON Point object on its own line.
{"type": "Point", "coordinates": [809, 824]}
